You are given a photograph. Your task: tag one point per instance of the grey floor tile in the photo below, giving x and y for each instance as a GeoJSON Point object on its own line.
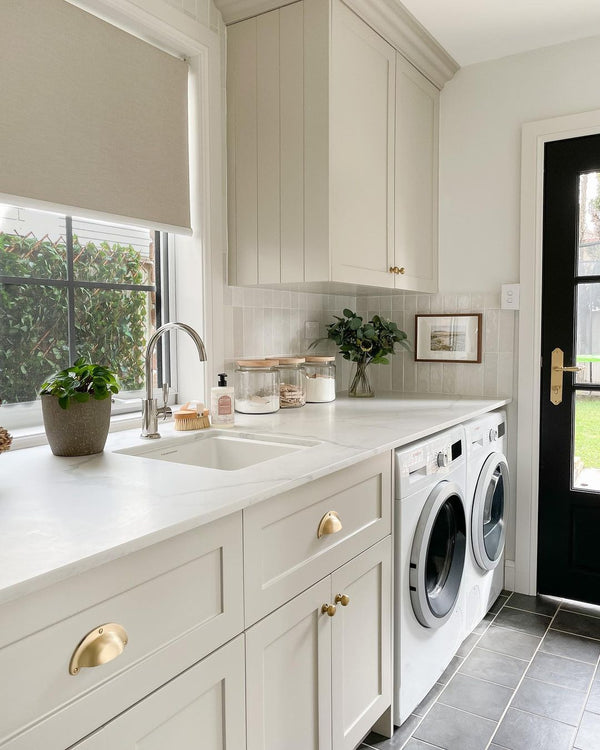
{"type": "Point", "coordinates": [400, 735]}
{"type": "Point", "coordinates": [455, 730]}
{"type": "Point", "coordinates": [571, 646]}
{"type": "Point", "coordinates": [506, 592]}
{"type": "Point", "coordinates": [467, 645]}
{"type": "Point", "coordinates": [593, 703]}
{"type": "Point", "coordinates": [518, 619]}
{"type": "Point", "coordinates": [570, 622]}
{"type": "Point", "coordinates": [523, 731]}
{"type": "Point", "coordinates": [581, 608]}
{"type": "Point", "coordinates": [476, 696]}
{"type": "Point", "coordinates": [542, 605]}
{"type": "Point", "coordinates": [551, 701]}
{"type": "Point", "coordinates": [493, 746]}
{"type": "Point", "coordinates": [511, 642]}
{"type": "Point", "coordinates": [420, 745]}
{"type": "Point", "coordinates": [498, 604]}
{"type": "Point", "coordinates": [493, 667]}
{"type": "Point", "coordinates": [450, 669]}
{"type": "Point", "coordinates": [588, 736]}
{"type": "Point", "coordinates": [428, 700]}
{"type": "Point", "coordinates": [565, 672]}
{"type": "Point", "coordinates": [484, 624]}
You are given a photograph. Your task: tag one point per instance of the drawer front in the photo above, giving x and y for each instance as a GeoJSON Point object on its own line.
{"type": "Point", "coordinates": [283, 554]}
{"type": "Point", "coordinates": [172, 619]}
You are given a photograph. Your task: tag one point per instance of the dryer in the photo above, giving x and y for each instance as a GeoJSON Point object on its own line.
{"type": "Point", "coordinates": [430, 550]}
{"type": "Point", "coordinates": [488, 492]}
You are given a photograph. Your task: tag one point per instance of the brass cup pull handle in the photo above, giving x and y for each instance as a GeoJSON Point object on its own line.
{"type": "Point", "coordinates": [328, 609]}
{"type": "Point", "coordinates": [101, 645]}
{"type": "Point", "coordinates": [329, 524]}
{"type": "Point", "coordinates": [342, 599]}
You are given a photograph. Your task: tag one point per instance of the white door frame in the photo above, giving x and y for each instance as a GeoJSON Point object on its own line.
{"type": "Point", "coordinates": [534, 136]}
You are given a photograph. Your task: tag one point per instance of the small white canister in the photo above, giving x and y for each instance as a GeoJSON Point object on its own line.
{"type": "Point", "coordinates": [320, 379]}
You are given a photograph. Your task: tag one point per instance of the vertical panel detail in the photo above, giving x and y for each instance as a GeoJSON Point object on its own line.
{"type": "Point", "coordinates": [268, 147]}
{"type": "Point", "coordinates": [291, 55]}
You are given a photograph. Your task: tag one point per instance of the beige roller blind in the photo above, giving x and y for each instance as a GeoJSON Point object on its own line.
{"type": "Point", "coordinates": [92, 119]}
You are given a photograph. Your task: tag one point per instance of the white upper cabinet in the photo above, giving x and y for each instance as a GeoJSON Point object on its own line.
{"type": "Point", "coordinates": [332, 155]}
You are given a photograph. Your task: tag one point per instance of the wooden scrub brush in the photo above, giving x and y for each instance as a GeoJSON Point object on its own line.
{"type": "Point", "coordinates": [192, 416]}
{"type": "Point", "coordinates": [5, 440]}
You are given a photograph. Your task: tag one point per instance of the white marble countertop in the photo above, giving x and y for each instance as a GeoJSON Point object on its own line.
{"type": "Point", "coordinates": [61, 516]}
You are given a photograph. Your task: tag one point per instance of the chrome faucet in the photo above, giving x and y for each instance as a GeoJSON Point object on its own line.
{"type": "Point", "coordinates": [149, 404]}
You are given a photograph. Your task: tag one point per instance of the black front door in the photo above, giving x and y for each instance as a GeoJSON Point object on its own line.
{"type": "Point", "coordinates": [569, 494]}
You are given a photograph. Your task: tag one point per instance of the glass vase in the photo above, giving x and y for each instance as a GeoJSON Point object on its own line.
{"type": "Point", "coordinates": [360, 387]}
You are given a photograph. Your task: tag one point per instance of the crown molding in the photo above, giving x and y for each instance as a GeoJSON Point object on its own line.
{"type": "Point", "coordinates": [389, 18]}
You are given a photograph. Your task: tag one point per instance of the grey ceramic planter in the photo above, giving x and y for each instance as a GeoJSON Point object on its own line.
{"type": "Point", "coordinates": [79, 430]}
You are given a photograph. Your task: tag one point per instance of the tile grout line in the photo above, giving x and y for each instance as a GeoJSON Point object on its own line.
{"type": "Point", "coordinates": [587, 697]}
{"type": "Point", "coordinates": [520, 682]}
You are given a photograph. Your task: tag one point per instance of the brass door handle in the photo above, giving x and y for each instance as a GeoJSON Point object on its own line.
{"type": "Point", "coordinates": [329, 524]}
{"type": "Point", "coordinates": [328, 609]}
{"type": "Point", "coordinates": [568, 369]}
{"type": "Point", "coordinates": [556, 375]}
{"type": "Point", "coordinates": [342, 599]}
{"type": "Point", "coordinates": [99, 646]}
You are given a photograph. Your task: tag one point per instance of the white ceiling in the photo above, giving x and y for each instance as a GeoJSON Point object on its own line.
{"type": "Point", "coordinates": [476, 30]}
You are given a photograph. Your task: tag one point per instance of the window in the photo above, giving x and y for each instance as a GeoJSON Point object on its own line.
{"type": "Point", "coordinates": [74, 287]}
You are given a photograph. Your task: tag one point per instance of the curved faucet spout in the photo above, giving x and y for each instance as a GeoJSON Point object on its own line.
{"type": "Point", "coordinates": [149, 405]}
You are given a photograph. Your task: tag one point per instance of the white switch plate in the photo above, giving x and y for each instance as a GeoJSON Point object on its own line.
{"type": "Point", "coordinates": [510, 296]}
{"type": "Point", "coordinates": [311, 330]}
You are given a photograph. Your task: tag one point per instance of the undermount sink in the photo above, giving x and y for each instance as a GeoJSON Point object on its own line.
{"type": "Point", "coordinates": [219, 450]}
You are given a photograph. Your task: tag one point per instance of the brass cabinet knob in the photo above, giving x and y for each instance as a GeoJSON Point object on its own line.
{"type": "Point", "coordinates": [401, 270]}
{"type": "Point", "coordinates": [342, 599]}
{"type": "Point", "coordinates": [328, 609]}
{"type": "Point", "coordinates": [396, 270]}
{"type": "Point", "coordinates": [101, 645]}
{"type": "Point", "coordinates": [329, 524]}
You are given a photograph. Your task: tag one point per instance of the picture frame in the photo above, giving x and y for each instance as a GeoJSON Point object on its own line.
{"type": "Point", "coordinates": [448, 338]}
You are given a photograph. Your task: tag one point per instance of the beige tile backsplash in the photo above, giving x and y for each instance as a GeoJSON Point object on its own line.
{"type": "Point", "coordinates": [263, 322]}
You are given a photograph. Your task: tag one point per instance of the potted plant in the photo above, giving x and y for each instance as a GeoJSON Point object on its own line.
{"type": "Point", "coordinates": [76, 408]}
{"type": "Point", "coordinates": [364, 344]}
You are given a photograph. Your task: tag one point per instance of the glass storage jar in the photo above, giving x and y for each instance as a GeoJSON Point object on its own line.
{"type": "Point", "coordinates": [292, 387]}
{"type": "Point", "coordinates": [320, 379]}
{"type": "Point", "coordinates": [256, 386]}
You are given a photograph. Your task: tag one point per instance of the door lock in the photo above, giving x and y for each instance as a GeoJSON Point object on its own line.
{"type": "Point", "coordinates": [556, 375]}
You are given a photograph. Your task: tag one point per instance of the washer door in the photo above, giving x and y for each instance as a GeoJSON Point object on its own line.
{"type": "Point", "coordinates": [437, 557]}
{"type": "Point", "coordinates": [488, 527]}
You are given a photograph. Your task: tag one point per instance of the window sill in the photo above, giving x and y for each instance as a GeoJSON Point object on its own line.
{"type": "Point", "coordinates": [30, 437]}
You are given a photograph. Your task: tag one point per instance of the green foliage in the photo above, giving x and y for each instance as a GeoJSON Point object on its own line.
{"type": "Point", "coordinates": [110, 325]}
{"type": "Point", "coordinates": [80, 382]}
{"type": "Point", "coordinates": [368, 342]}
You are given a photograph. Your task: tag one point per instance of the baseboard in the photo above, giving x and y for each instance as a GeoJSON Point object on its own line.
{"type": "Point", "coordinates": [509, 575]}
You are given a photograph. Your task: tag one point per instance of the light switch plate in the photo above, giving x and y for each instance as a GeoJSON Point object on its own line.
{"type": "Point", "coordinates": [510, 296]}
{"type": "Point", "coordinates": [311, 330]}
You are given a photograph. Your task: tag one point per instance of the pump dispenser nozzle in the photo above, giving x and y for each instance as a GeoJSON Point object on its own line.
{"type": "Point", "coordinates": [222, 380]}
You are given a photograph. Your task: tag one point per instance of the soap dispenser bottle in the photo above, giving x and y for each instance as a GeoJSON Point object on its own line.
{"type": "Point", "coordinates": [222, 403]}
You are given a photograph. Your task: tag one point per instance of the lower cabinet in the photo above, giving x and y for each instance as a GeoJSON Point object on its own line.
{"type": "Point", "coordinates": [318, 668]}
{"type": "Point", "coordinates": [201, 708]}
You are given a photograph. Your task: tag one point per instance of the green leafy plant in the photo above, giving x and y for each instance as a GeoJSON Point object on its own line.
{"type": "Point", "coordinates": [110, 325]}
{"type": "Point", "coordinates": [80, 382]}
{"type": "Point", "coordinates": [368, 343]}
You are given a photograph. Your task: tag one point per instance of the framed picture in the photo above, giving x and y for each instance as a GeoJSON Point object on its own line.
{"type": "Point", "coordinates": [448, 338]}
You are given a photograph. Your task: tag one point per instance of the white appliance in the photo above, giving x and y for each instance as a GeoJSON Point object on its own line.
{"type": "Point", "coordinates": [430, 551]}
{"type": "Point", "coordinates": [488, 492]}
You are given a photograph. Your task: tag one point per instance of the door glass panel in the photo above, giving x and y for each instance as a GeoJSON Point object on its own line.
{"type": "Point", "coordinates": [493, 516]}
{"type": "Point", "coordinates": [445, 557]}
{"type": "Point", "coordinates": [588, 263]}
{"type": "Point", "coordinates": [586, 459]}
{"type": "Point", "coordinates": [588, 333]}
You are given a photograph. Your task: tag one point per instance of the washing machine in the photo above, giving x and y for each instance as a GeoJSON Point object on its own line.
{"type": "Point", "coordinates": [488, 492]}
{"type": "Point", "coordinates": [430, 548]}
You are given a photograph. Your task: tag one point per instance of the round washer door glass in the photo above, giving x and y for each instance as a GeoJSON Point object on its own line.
{"type": "Point", "coordinates": [488, 527]}
{"type": "Point", "coordinates": [438, 555]}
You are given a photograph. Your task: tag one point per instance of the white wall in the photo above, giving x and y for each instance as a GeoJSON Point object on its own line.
{"type": "Point", "coordinates": [481, 112]}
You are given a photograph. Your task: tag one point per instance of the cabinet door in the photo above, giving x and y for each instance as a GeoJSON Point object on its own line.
{"type": "Point", "coordinates": [416, 184]}
{"type": "Point", "coordinates": [362, 152]}
{"type": "Point", "coordinates": [288, 675]}
{"type": "Point", "coordinates": [361, 645]}
{"type": "Point", "coordinates": [201, 708]}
